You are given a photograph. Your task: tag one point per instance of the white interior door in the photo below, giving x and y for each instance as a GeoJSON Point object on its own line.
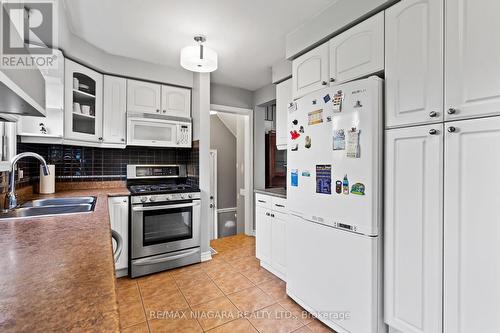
{"type": "Point", "coordinates": [471, 226]}
{"type": "Point", "coordinates": [213, 194]}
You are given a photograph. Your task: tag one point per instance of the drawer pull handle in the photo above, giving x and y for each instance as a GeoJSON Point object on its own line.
{"type": "Point", "coordinates": [282, 206]}
{"type": "Point", "coordinates": [261, 201]}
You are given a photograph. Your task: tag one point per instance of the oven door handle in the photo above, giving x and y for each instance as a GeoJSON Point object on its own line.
{"type": "Point", "coordinates": [145, 208]}
{"type": "Point", "coordinates": [165, 258]}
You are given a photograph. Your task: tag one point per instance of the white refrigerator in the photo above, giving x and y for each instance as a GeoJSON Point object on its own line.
{"type": "Point", "coordinates": [334, 194]}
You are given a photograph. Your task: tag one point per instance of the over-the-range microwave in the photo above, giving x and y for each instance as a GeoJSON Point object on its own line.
{"type": "Point", "coordinates": [159, 132]}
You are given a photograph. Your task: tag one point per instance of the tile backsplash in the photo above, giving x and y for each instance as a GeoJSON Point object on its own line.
{"type": "Point", "coordinates": [76, 163]}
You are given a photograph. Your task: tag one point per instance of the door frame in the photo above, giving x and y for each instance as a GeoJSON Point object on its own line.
{"type": "Point", "coordinates": [215, 224]}
{"type": "Point", "coordinates": [249, 158]}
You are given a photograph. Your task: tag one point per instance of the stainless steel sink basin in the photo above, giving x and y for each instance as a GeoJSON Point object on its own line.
{"type": "Point", "coordinates": [60, 202]}
{"type": "Point", "coordinates": [54, 206]}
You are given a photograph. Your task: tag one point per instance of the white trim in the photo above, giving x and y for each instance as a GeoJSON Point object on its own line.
{"type": "Point", "coordinates": [249, 157]}
{"type": "Point", "coordinates": [206, 256]}
{"type": "Point", "coordinates": [273, 271]}
{"type": "Point", "coordinates": [213, 192]}
{"type": "Point", "coordinates": [226, 210]}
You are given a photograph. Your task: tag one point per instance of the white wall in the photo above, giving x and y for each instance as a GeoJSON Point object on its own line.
{"type": "Point", "coordinates": [201, 106]}
{"type": "Point", "coordinates": [264, 95]}
{"type": "Point", "coordinates": [87, 54]}
{"type": "Point", "coordinates": [231, 96]}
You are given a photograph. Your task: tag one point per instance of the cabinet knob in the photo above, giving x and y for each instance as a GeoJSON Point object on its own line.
{"type": "Point", "coordinates": [158, 110]}
{"type": "Point", "coordinates": [267, 214]}
{"type": "Point", "coordinates": [433, 131]}
{"type": "Point", "coordinates": [272, 215]}
{"type": "Point", "coordinates": [164, 111]}
{"type": "Point", "coordinates": [332, 79]}
{"type": "Point", "coordinates": [123, 140]}
{"type": "Point", "coordinates": [324, 83]}
{"type": "Point", "coordinates": [452, 129]}
{"type": "Point", "coordinates": [452, 111]}
{"type": "Point", "coordinates": [100, 138]}
{"type": "Point", "coordinates": [125, 200]}
{"type": "Point", "coordinates": [433, 114]}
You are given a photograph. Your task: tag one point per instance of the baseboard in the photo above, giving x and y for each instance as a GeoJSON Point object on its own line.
{"type": "Point", "coordinates": [270, 269]}
{"type": "Point", "coordinates": [206, 256]}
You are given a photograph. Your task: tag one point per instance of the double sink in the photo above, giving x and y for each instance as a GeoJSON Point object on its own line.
{"type": "Point", "coordinates": [51, 206]}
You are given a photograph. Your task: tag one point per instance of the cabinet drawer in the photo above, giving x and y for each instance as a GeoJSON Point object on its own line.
{"type": "Point", "coordinates": [263, 200]}
{"type": "Point", "coordinates": [279, 205]}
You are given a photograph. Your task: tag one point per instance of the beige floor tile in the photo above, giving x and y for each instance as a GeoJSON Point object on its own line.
{"type": "Point", "coordinates": [303, 329]}
{"type": "Point", "coordinates": [181, 322]}
{"type": "Point", "coordinates": [215, 313]}
{"type": "Point", "coordinates": [232, 283]}
{"type": "Point", "coordinates": [125, 282]}
{"type": "Point", "coordinates": [220, 271]}
{"type": "Point", "coordinates": [275, 289]}
{"type": "Point", "coordinates": [129, 295]}
{"type": "Point", "coordinates": [318, 327]}
{"type": "Point", "coordinates": [193, 280]}
{"type": "Point", "coordinates": [259, 275]}
{"type": "Point", "coordinates": [251, 299]}
{"type": "Point", "coordinates": [139, 328]}
{"type": "Point", "coordinates": [131, 314]}
{"type": "Point", "coordinates": [296, 310]}
{"type": "Point", "coordinates": [152, 288]}
{"type": "Point", "coordinates": [171, 301]}
{"type": "Point", "coordinates": [202, 292]}
{"type": "Point", "coordinates": [237, 326]}
{"type": "Point", "coordinates": [275, 319]}
{"type": "Point", "coordinates": [245, 263]}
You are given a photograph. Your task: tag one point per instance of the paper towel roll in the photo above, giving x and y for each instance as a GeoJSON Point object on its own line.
{"type": "Point", "coordinates": [48, 183]}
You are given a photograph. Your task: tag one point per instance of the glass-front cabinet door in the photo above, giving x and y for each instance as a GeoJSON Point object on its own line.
{"type": "Point", "coordinates": [83, 103]}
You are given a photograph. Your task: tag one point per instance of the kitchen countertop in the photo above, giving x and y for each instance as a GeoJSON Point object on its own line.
{"type": "Point", "coordinates": [275, 192]}
{"type": "Point", "coordinates": [57, 273]}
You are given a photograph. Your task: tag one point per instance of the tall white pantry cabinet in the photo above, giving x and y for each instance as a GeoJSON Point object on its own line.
{"type": "Point", "coordinates": [442, 203]}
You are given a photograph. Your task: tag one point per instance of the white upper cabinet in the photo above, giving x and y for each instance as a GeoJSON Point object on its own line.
{"type": "Point", "coordinates": [471, 224]}
{"type": "Point", "coordinates": [414, 62]}
{"type": "Point", "coordinates": [413, 238]}
{"type": "Point", "coordinates": [472, 58]}
{"type": "Point", "coordinates": [283, 99]}
{"type": "Point", "coordinates": [310, 71]}
{"type": "Point", "coordinates": [83, 103]}
{"type": "Point", "coordinates": [358, 52]}
{"type": "Point", "coordinates": [115, 109]}
{"type": "Point", "coordinates": [143, 97]}
{"type": "Point", "coordinates": [176, 102]}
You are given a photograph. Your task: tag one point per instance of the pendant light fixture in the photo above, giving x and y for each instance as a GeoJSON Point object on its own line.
{"type": "Point", "coordinates": [198, 58]}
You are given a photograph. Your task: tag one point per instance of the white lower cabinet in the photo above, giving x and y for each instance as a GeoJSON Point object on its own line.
{"type": "Point", "coordinates": [118, 214]}
{"type": "Point", "coordinates": [442, 235]}
{"type": "Point", "coordinates": [270, 224]}
{"type": "Point", "coordinates": [414, 229]}
{"type": "Point", "coordinates": [472, 228]}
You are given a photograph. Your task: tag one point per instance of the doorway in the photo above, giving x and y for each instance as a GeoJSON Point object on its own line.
{"type": "Point", "coordinates": [231, 145]}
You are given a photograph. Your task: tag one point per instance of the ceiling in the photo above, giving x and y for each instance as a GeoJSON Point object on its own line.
{"type": "Point", "coordinates": [249, 36]}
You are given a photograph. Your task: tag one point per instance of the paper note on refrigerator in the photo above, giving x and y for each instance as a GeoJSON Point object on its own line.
{"type": "Point", "coordinates": [352, 146]}
{"type": "Point", "coordinates": [324, 179]}
{"type": "Point", "coordinates": [315, 117]}
{"type": "Point", "coordinates": [338, 139]}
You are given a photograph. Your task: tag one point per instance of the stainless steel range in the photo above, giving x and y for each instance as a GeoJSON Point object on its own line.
{"type": "Point", "coordinates": [165, 219]}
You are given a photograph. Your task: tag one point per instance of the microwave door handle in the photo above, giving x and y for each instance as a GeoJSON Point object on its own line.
{"type": "Point", "coordinates": [142, 209]}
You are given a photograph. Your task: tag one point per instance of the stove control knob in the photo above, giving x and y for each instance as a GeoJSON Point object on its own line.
{"type": "Point", "coordinates": [190, 196]}
{"type": "Point", "coordinates": [152, 199]}
{"type": "Point", "coordinates": [144, 199]}
{"type": "Point", "coordinates": [167, 198]}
